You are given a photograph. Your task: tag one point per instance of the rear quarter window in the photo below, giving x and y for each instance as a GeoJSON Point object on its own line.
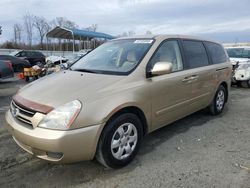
{"type": "Point", "coordinates": [216, 52]}
{"type": "Point", "coordinates": [195, 54]}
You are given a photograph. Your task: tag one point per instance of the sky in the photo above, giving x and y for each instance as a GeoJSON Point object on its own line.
{"type": "Point", "coordinates": [221, 20]}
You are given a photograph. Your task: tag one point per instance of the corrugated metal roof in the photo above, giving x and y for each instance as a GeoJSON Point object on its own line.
{"type": "Point", "coordinates": [65, 33]}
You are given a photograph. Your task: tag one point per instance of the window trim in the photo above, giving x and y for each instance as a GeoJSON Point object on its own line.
{"type": "Point", "coordinates": [148, 75]}
{"type": "Point", "coordinates": [184, 54]}
{"type": "Point", "coordinates": [210, 55]}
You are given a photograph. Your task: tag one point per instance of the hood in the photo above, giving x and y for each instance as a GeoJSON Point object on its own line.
{"type": "Point", "coordinates": [59, 88]}
{"type": "Point", "coordinates": [235, 60]}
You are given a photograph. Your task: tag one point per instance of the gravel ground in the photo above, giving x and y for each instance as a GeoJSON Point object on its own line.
{"type": "Point", "coordinates": [197, 151]}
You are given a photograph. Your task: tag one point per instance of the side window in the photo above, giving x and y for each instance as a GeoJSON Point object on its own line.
{"type": "Point", "coordinates": [216, 52]}
{"type": "Point", "coordinates": [18, 54]}
{"type": "Point", "coordinates": [30, 54]}
{"type": "Point", "coordinates": [23, 54]}
{"type": "Point", "coordinates": [169, 51]}
{"type": "Point", "coordinates": [195, 54]}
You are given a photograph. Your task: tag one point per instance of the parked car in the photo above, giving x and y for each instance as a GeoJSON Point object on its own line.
{"type": "Point", "coordinates": [106, 103]}
{"type": "Point", "coordinates": [239, 54]}
{"type": "Point", "coordinates": [241, 74]}
{"type": "Point", "coordinates": [17, 63]}
{"type": "Point", "coordinates": [240, 59]}
{"type": "Point", "coordinates": [55, 60]}
{"type": "Point", "coordinates": [71, 59]}
{"type": "Point", "coordinates": [6, 70]}
{"type": "Point", "coordinates": [34, 57]}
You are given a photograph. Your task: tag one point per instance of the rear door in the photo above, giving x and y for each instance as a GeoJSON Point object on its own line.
{"type": "Point", "coordinates": [221, 67]}
{"type": "Point", "coordinates": [201, 73]}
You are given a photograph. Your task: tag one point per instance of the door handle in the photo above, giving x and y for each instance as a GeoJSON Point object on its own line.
{"type": "Point", "coordinates": [190, 78]}
{"type": "Point", "coordinates": [194, 77]}
{"type": "Point", "coordinates": [187, 79]}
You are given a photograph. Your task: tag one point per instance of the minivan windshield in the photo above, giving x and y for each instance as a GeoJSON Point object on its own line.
{"type": "Point", "coordinates": [119, 57]}
{"type": "Point", "coordinates": [238, 52]}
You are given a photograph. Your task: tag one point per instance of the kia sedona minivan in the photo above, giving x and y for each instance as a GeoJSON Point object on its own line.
{"type": "Point", "coordinates": [106, 102]}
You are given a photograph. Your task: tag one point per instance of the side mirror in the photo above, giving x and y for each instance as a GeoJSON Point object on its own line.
{"type": "Point", "coordinates": [161, 68]}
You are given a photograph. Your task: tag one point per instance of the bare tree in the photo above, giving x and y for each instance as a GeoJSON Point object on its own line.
{"type": "Point", "coordinates": [1, 30]}
{"type": "Point", "coordinates": [64, 22]}
{"type": "Point", "coordinates": [92, 27]}
{"type": "Point", "coordinates": [17, 34]}
{"type": "Point", "coordinates": [42, 26]}
{"type": "Point", "coordinates": [28, 26]}
{"type": "Point", "coordinates": [149, 32]}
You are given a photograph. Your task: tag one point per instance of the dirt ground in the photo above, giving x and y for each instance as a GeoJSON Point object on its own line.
{"type": "Point", "coordinates": [197, 151]}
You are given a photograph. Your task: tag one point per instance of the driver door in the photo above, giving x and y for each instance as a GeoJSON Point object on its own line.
{"type": "Point", "coordinates": [171, 93]}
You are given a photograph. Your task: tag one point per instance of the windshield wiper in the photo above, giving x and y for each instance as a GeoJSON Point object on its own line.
{"type": "Point", "coordinates": [84, 70]}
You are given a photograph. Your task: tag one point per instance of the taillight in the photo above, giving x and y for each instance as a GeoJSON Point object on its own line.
{"type": "Point", "coordinates": [9, 64]}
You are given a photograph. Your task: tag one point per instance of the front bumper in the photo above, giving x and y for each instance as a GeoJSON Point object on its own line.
{"type": "Point", "coordinates": [53, 145]}
{"type": "Point", "coordinates": [242, 75]}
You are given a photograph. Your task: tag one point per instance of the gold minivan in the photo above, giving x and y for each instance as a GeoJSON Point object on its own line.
{"type": "Point", "coordinates": [106, 102]}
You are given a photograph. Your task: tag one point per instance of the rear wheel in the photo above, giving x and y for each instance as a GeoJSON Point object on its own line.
{"type": "Point", "coordinates": [120, 141]}
{"type": "Point", "coordinates": [245, 84]}
{"type": "Point", "coordinates": [218, 103]}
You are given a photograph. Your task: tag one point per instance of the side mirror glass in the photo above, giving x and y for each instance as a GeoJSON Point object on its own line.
{"type": "Point", "coordinates": [161, 68]}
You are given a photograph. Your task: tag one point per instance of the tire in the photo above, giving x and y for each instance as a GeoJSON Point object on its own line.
{"type": "Point", "coordinates": [125, 132]}
{"type": "Point", "coordinates": [238, 83]}
{"type": "Point", "coordinates": [245, 84]}
{"type": "Point", "coordinates": [218, 103]}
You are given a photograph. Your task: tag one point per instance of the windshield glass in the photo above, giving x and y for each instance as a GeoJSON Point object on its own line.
{"type": "Point", "coordinates": [115, 57]}
{"type": "Point", "coordinates": [238, 52]}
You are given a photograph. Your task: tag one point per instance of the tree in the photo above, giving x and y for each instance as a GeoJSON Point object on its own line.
{"type": "Point", "coordinates": [64, 22]}
{"type": "Point", "coordinates": [17, 34]}
{"type": "Point", "coordinates": [92, 27]}
{"type": "Point", "coordinates": [42, 26]}
{"type": "Point", "coordinates": [28, 26]}
{"type": "Point", "coordinates": [1, 30]}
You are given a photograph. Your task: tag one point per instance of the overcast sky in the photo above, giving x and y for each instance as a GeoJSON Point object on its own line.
{"type": "Point", "coordinates": [223, 20]}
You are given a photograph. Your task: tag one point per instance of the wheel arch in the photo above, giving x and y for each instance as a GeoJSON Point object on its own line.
{"type": "Point", "coordinates": [130, 109]}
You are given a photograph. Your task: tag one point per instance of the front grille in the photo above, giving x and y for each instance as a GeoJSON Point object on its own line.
{"type": "Point", "coordinates": [22, 114]}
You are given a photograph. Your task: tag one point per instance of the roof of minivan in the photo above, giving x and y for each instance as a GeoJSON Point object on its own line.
{"type": "Point", "coordinates": [164, 36]}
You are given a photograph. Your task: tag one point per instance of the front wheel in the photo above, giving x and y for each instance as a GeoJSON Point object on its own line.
{"type": "Point", "coordinates": [218, 103]}
{"type": "Point", "coordinates": [120, 141]}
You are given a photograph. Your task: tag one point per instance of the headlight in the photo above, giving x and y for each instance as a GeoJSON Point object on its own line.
{"type": "Point", "coordinates": [62, 117]}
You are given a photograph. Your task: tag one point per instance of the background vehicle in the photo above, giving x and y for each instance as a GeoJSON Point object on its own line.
{"type": "Point", "coordinates": [6, 70]}
{"type": "Point", "coordinates": [71, 59]}
{"type": "Point", "coordinates": [17, 63]}
{"type": "Point", "coordinates": [240, 59]}
{"type": "Point", "coordinates": [34, 57]}
{"type": "Point", "coordinates": [56, 60]}
{"type": "Point", "coordinates": [241, 74]}
{"type": "Point", "coordinates": [238, 54]}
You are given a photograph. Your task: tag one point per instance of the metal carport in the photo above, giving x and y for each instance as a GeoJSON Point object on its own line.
{"type": "Point", "coordinates": [76, 34]}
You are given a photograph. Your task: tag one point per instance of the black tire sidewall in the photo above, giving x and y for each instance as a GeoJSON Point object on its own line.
{"type": "Point", "coordinates": [108, 133]}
